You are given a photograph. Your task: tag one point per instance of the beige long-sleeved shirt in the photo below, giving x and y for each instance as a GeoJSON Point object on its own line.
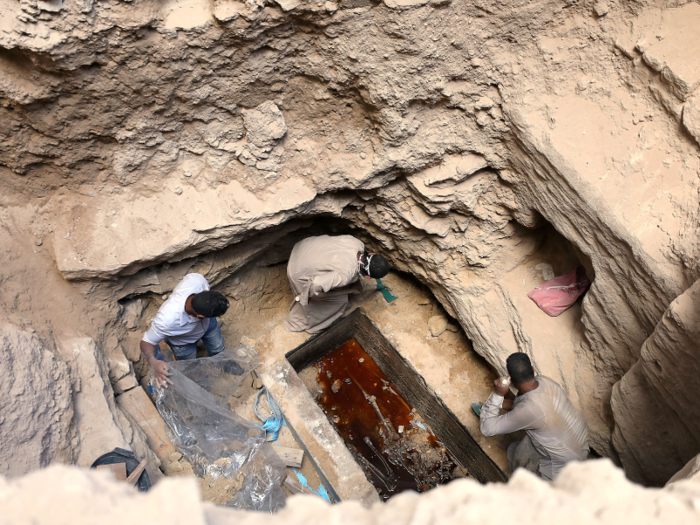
{"type": "Point", "coordinates": [318, 265]}
{"type": "Point", "coordinates": [557, 430]}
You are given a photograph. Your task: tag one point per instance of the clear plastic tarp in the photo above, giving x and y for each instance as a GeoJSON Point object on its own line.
{"type": "Point", "coordinates": [214, 439]}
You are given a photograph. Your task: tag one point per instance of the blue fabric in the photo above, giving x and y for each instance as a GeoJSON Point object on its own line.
{"type": "Point", "coordinates": [272, 422]}
{"type": "Point", "coordinates": [212, 339]}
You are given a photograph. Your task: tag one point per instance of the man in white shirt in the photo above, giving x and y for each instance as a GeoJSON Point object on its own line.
{"type": "Point", "coordinates": [187, 316]}
{"type": "Point", "coordinates": [556, 431]}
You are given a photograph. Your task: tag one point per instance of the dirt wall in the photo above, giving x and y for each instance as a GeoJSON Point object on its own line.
{"type": "Point", "coordinates": [470, 142]}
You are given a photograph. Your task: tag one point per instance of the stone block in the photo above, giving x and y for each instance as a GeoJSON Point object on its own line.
{"type": "Point", "coordinates": [691, 116]}
{"type": "Point", "coordinates": [36, 400]}
{"type": "Point", "coordinates": [125, 384]}
{"type": "Point", "coordinates": [672, 49]}
{"type": "Point", "coordinates": [264, 125]}
{"type": "Point", "coordinates": [437, 325]}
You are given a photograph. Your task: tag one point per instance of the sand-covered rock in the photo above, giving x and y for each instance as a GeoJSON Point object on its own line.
{"type": "Point", "coordinates": [584, 493]}
{"type": "Point", "coordinates": [437, 325]}
{"type": "Point", "coordinates": [36, 418]}
{"type": "Point", "coordinates": [472, 144]}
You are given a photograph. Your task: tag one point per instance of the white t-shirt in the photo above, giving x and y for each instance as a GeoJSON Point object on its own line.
{"type": "Point", "coordinates": [172, 322]}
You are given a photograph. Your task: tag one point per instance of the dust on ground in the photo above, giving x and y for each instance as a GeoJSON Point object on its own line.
{"type": "Point", "coordinates": [448, 363]}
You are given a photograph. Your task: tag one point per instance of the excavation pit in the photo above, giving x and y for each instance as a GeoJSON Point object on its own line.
{"type": "Point", "coordinates": [376, 398]}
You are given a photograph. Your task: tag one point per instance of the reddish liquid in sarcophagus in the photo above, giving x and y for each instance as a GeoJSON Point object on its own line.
{"type": "Point", "coordinates": [390, 441]}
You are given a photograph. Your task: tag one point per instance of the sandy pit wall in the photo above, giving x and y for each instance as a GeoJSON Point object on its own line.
{"type": "Point", "coordinates": [136, 140]}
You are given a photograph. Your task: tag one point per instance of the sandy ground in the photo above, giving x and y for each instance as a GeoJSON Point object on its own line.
{"type": "Point", "coordinates": [261, 299]}
{"type": "Point", "coordinates": [448, 363]}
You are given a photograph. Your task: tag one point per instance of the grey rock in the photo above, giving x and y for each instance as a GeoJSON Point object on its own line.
{"type": "Point", "coordinates": [264, 125]}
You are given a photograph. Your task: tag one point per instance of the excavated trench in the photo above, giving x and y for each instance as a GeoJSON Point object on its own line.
{"type": "Point", "coordinates": [439, 375]}
{"type": "Point", "coordinates": [482, 147]}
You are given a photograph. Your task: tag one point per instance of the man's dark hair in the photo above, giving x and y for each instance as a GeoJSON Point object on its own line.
{"type": "Point", "coordinates": [378, 266]}
{"type": "Point", "coordinates": [209, 304]}
{"type": "Point", "coordinates": [519, 368]}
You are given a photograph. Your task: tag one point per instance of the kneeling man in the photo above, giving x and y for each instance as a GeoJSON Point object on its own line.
{"type": "Point", "coordinates": [556, 431]}
{"type": "Point", "coordinates": [322, 272]}
{"type": "Point", "coordinates": [187, 316]}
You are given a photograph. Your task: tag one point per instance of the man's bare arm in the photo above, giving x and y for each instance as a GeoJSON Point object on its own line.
{"type": "Point", "coordinates": [160, 368]}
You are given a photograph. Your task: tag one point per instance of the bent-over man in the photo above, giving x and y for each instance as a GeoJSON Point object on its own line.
{"type": "Point", "coordinates": [322, 272]}
{"type": "Point", "coordinates": [556, 431]}
{"type": "Point", "coordinates": [187, 316]}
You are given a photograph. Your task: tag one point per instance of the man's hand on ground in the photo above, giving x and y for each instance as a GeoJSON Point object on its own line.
{"type": "Point", "coordinates": [500, 385]}
{"type": "Point", "coordinates": [359, 287]}
{"type": "Point", "coordinates": [161, 373]}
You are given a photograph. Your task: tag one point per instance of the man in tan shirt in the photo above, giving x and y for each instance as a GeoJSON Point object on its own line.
{"type": "Point", "coordinates": [322, 272]}
{"type": "Point", "coordinates": [556, 431]}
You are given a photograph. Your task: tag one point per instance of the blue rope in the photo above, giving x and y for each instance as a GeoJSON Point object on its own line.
{"type": "Point", "coordinates": [272, 421]}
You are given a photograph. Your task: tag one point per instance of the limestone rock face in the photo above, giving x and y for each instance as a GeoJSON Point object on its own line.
{"type": "Point", "coordinates": [691, 117]}
{"type": "Point", "coordinates": [100, 425]}
{"type": "Point", "coordinates": [689, 471]}
{"type": "Point", "coordinates": [657, 394]}
{"type": "Point", "coordinates": [264, 125]}
{"type": "Point", "coordinates": [584, 493]}
{"type": "Point", "coordinates": [670, 54]}
{"type": "Point", "coordinates": [37, 410]}
{"type": "Point", "coordinates": [472, 144]}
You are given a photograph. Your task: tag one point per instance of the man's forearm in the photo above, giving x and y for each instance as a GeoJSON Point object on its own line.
{"type": "Point", "coordinates": [519, 418]}
{"type": "Point", "coordinates": [149, 350]}
{"type": "Point", "coordinates": [489, 414]}
{"type": "Point", "coordinates": [160, 369]}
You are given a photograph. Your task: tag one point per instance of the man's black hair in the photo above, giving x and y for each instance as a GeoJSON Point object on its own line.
{"type": "Point", "coordinates": [378, 266]}
{"type": "Point", "coordinates": [209, 304]}
{"type": "Point", "coordinates": [519, 368]}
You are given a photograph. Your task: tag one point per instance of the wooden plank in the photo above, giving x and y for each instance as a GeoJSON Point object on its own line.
{"type": "Point", "coordinates": [136, 474]}
{"type": "Point", "coordinates": [118, 470]}
{"type": "Point", "coordinates": [139, 406]}
{"type": "Point", "coordinates": [295, 486]}
{"type": "Point", "coordinates": [292, 457]}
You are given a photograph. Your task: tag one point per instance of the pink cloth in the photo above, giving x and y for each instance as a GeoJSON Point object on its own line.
{"type": "Point", "coordinates": [558, 294]}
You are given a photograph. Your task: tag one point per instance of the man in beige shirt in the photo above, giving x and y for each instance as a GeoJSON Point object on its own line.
{"type": "Point", "coordinates": [556, 431]}
{"type": "Point", "coordinates": [322, 272]}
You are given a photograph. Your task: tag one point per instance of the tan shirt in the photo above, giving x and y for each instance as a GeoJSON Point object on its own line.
{"type": "Point", "coordinates": [318, 265]}
{"type": "Point", "coordinates": [557, 430]}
